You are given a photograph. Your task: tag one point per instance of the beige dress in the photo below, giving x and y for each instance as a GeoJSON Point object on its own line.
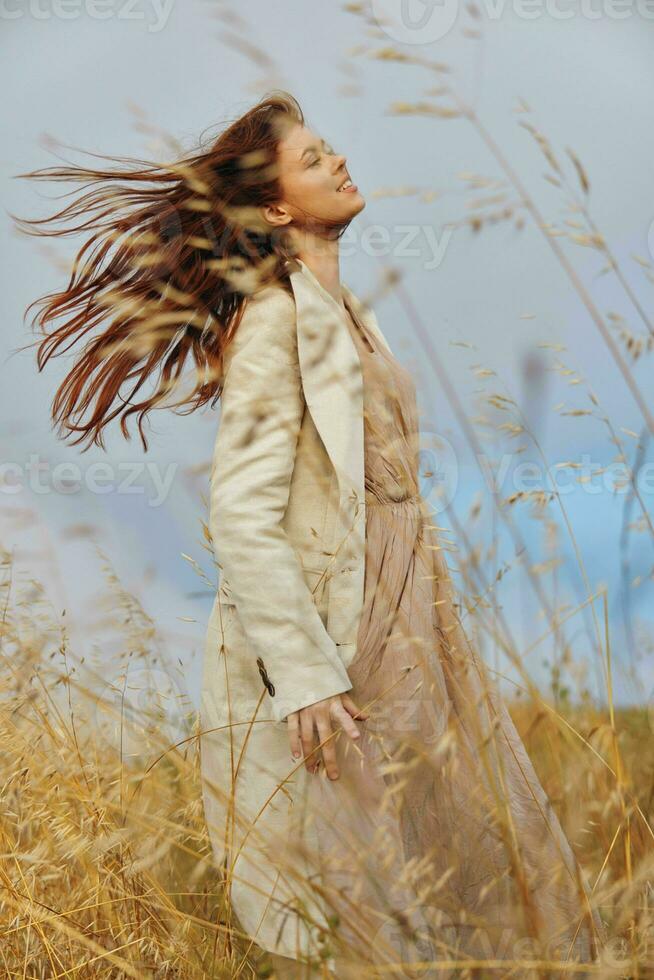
{"type": "Point", "coordinates": [437, 840]}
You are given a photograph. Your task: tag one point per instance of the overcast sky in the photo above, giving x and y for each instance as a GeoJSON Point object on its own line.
{"type": "Point", "coordinates": [90, 75]}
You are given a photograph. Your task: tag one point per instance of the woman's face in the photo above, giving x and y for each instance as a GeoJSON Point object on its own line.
{"type": "Point", "coordinates": [310, 175]}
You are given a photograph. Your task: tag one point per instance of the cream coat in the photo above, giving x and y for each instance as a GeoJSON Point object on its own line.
{"type": "Point", "coordinates": [287, 521]}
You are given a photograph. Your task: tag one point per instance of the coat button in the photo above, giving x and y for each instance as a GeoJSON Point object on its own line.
{"type": "Point", "coordinates": [270, 687]}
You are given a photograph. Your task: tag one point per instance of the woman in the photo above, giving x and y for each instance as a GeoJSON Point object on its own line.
{"type": "Point", "coordinates": [365, 789]}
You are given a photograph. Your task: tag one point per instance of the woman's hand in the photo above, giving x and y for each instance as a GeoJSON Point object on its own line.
{"type": "Point", "coordinates": [301, 725]}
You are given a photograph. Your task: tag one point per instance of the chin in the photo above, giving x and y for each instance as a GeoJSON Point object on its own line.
{"type": "Point", "coordinates": [358, 204]}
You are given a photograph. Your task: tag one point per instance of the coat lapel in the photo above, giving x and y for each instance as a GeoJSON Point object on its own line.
{"type": "Point", "coordinates": [333, 389]}
{"type": "Point", "coordinates": [331, 377]}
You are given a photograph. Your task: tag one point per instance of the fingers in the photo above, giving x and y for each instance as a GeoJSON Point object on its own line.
{"type": "Point", "coordinates": [302, 725]}
{"type": "Point", "coordinates": [346, 721]}
{"type": "Point", "coordinates": [323, 722]}
{"type": "Point", "coordinates": [307, 739]}
{"type": "Point", "coordinates": [348, 703]}
{"type": "Point", "coordinates": [293, 723]}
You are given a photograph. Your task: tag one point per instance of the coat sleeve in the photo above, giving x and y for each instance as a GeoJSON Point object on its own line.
{"type": "Point", "coordinates": [262, 409]}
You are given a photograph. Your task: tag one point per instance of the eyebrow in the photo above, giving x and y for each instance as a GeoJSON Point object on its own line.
{"type": "Point", "coordinates": [308, 149]}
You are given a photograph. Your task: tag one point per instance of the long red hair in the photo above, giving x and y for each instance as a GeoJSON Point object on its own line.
{"type": "Point", "coordinates": [174, 251]}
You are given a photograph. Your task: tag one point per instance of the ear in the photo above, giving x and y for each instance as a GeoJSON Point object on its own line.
{"type": "Point", "coordinates": [275, 215]}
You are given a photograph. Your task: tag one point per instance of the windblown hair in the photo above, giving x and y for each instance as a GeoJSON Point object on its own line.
{"type": "Point", "coordinates": [173, 254]}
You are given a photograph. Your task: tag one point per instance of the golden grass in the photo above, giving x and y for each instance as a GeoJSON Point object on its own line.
{"type": "Point", "coordinates": [105, 864]}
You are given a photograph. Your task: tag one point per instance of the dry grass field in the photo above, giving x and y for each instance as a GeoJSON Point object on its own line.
{"type": "Point", "coordinates": [105, 865]}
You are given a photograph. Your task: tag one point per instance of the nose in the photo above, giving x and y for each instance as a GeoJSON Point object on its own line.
{"type": "Point", "coordinates": [340, 161]}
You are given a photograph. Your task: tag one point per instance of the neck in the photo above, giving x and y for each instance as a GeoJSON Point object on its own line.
{"type": "Point", "coordinates": [322, 258]}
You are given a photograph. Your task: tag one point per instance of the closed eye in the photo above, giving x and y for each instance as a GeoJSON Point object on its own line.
{"type": "Point", "coordinates": [328, 149]}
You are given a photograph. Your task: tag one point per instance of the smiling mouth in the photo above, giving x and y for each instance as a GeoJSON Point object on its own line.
{"type": "Point", "coordinates": [347, 185]}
